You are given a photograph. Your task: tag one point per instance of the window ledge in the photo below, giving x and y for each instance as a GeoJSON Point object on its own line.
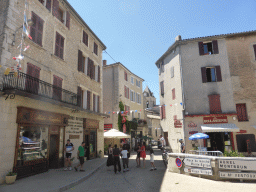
{"type": "Point", "coordinates": [56, 57]}
{"type": "Point", "coordinates": [34, 44]}
{"type": "Point", "coordinates": [60, 22]}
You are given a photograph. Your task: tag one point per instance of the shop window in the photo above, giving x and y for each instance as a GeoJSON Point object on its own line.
{"type": "Point", "coordinates": [93, 140]}
{"type": "Point", "coordinates": [32, 144]}
{"type": "Point", "coordinates": [241, 112]}
{"type": "Point", "coordinates": [246, 142]}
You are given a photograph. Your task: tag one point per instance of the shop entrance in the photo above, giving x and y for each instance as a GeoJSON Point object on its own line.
{"type": "Point", "coordinates": [54, 152]}
{"type": "Point", "coordinates": [219, 141]}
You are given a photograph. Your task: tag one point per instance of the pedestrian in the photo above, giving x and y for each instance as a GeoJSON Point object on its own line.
{"type": "Point", "coordinates": [138, 155]}
{"type": "Point", "coordinates": [162, 141]}
{"type": "Point", "coordinates": [128, 148]}
{"type": "Point", "coordinates": [153, 167]}
{"type": "Point", "coordinates": [124, 153]}
{"type": "Point", "coordinates": [182, 146]}
{"type": "Point", "coordinates": [69, 147]}
{"type": "Point", "coordinates": [80, 156]}
{"type": "Point", "coordinates": [116, 153]}
{"type": "Point", "coordinates": [143, 153]}
{"type": "Point", "coordinates": [110, 160]}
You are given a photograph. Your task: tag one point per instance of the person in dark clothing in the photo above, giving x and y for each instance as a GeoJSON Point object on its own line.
{"type": "Point", "coordinates": [116, 153]}
{"type": "Point", "coordinates": [126, 146]}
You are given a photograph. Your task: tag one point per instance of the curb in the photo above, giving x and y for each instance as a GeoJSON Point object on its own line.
{"type": "Point", "coordinates": [66, 187]}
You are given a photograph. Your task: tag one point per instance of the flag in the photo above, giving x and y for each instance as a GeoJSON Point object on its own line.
{"type": "Point", "coordinates": [20, 57]}
{"type": "Point", "coordinates": [26, 31]}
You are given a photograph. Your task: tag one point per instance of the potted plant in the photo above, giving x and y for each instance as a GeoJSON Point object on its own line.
{"type": "Point", "coordinates": [10, 177]}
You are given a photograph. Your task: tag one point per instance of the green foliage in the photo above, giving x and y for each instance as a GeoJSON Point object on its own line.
{"type": "Point", "coordinates": [105, 147]}
{"type": "Point", "coordinates": [232, 154]}
{"type": "Point", "coordinates": [10, 173]}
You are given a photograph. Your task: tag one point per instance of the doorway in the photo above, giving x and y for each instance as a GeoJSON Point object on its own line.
{"type": "Point", "coordinates": [54, 152]}
{"type": "Point", "coordinates": [216, 141]}
{"type": "Point", "coordinates": [87, 152]}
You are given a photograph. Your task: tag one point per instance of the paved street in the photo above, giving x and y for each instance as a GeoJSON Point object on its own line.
{"type": "Point", "coordinates": [137, 179]}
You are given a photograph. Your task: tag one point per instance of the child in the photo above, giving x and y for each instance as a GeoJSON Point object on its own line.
{"type": "Point", "coordinates": [153, 167]}
{"type": "Point", "coordinates": [125, 159]}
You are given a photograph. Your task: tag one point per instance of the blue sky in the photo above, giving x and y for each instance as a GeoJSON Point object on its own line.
{"type": "Point", "coordinates": [138, 32]}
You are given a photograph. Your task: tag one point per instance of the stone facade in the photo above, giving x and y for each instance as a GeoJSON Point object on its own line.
{"type": "Point", "coordinates": [44, 58]}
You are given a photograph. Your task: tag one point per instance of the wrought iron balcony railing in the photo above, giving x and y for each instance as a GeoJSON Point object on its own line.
{"type": "Point", "coordinates": [29, 84]}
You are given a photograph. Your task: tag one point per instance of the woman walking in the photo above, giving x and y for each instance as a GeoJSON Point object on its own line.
{"type": "Point", "coordinates": [143, 153]}
{"type": "Point", "coordinates": [110, 160]}
{"type": "Point", "coordinates": [138, 156]}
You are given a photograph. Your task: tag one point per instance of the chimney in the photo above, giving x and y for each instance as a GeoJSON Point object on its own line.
{"type": "Point", "coordinates": [178, 38]}
{"type": "Point", "coordinates": [104, 63]}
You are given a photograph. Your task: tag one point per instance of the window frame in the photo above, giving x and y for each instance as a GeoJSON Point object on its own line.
{"type": "Point", "coordinates": [95, 48]}
{"type": "Point", "coordinates": [244, 118]}
{"type": "Point", "coordinates": [84, 39]}
{"type": "Point", "coordinates": [36, 28]}
{"type": "Point", "coordinates": [60, 36]}
{"type": "Point", "coordinates": [132, 80]}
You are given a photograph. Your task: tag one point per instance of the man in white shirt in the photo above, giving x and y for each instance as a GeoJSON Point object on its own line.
{"type": "Point", "coordinates": [124, 153]}
{"type": "Point", "coordinates": [162, 141]}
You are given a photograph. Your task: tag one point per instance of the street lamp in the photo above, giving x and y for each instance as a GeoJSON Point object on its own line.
{"type": "Point", "coordinates": [29, 22]}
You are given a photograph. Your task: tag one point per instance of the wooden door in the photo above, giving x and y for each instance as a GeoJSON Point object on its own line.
{"type": "Point", "coordinates": [54, 152]}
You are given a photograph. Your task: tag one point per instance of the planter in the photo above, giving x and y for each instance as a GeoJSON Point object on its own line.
{"type": "Point", "coordinates": [10, 179]}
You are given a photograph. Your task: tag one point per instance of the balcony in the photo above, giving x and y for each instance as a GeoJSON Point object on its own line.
{"type": "Point", "coordinates": [26, 85]}
{"type": "Point", "coordinates": [140, 122]}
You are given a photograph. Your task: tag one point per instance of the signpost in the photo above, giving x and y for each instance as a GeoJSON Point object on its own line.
{"type": "Point", "coordinates": [193, 162]}
{"type": "Point", "coordinates": [198, 171]}
{"type": "Point", "coordinates": [242, 165]}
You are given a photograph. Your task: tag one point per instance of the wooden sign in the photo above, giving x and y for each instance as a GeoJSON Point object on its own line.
{"type": "Point", "coordinates": [214, 120]}
{"type": "Point", "coordinates": [242, 165]}
{"type": "Point", "coordinates": [237, 175]}
{"type": "Point", "coordinates": [74, 136]}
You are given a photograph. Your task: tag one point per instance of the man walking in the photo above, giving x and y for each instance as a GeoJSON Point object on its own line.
{"type": "Point", "coordinates": [162, 141]}
{"type": "Point", "coordinates": [69, 147]}
{"type": "Point", "coordinates": [128, 148]}
{"type": "Point", "coordinates": [80, 155]}
{"type": "Point", "coordinates": [116, 153]}
{"type": "Point", "coordinates": [182, 146]}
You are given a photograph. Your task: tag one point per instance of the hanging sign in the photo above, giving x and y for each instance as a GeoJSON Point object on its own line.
{"type": "Point", "coordinates": [205, 163]}
{"type": "Point", "coordinates": [237, 175]}
{"type": "Point", "coordinates": [242, 165]}
{"type": "Point", "coordinates": [178, 162]}
{"type": "Point", "coordinates": [198, 171]}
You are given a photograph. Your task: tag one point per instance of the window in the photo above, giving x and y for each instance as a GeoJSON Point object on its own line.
{"type": "Point", "coordinates": [162, 88]}
{"type": "Point", "coordinates": [131, 93]}
{"type": "Point", "coordinates": [214, 103]}
{"type": "Point", "coordinates": [254, 48]}
{"type": "Point", "coordinates": [96, 72]}
{"type": "Point", "coordinates": [241, 112]}
{"type": "Point", "coordinates": [90, 69]}
{"type": "Point", "coordinates": [88, 100]}
{"type": "Point", "coordinates": [59, 45]}
{"type": "Point", "coordinates": [208, 48]}
{"type": "Point", "coordinates": [96, 101]}
{"type": "Point", "coordinates": [99, 74]}
{"type": "Point", "coordinates": [138, 98]}
{"type": "Point", "coordinates": [211, 74]}
{"type": "Point", "coordinates": [173, 94]}
{"type": "Point", "coordinates": [147, 104]}
{"type": "Point", "coordinates": [79, 97]}
{"type": "Point", "coordinates": [162, 112]}
{"type": "Point", "coordinates": [57, 87]}
{"type": "Point", "coordinates": [139, 115]}
{"type": "Point", "coordinates": [245, 142]}
{"type": "Point", "coordinates": [126, 92]}
{"type": "Point", "coordinates": [32, 84]}
{"type": "Point", "coordinates": [137, 83]}
{"type": "Point", "coordinates": [81, 61]}
{"type": "Point", "coordinates": [46, 3]}
{"type": "Point", "coordinates": [36, 29]}
{"type": "Point", "coordinates": [132, 82]}
{"type": "Point", "coordinates": [85, 99]}
{"type": "Point", "coordinates": [127, 109]}
{"type": "Point", "coordinates": [95, 48]}
{"type": "Point", "coordinates": [125, 76]}
{"type": "Point", "coordinates": [85, 38]}
{"type": "Point", "coordinates": [172, 71]}
{"type": "Point", "coordinates": [61, 14]}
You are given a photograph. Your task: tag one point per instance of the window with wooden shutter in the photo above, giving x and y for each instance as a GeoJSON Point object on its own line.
{"type": "Point", "coordinates": [162, 88]}
{"type": "Point", "coordinates": [124, 91]}
{"type": "Point", "coordinates": [125, 76]}
{"type": "Point", "coordinates": [57, 87]}
{"type": "Point", "coordinates": [55, 8]}
{"type": "Point", "coordinates": [241, 112]}
{"type": "Point", "coordinates": [214, 103]}
{"type": "Point", "coordinates": [211, 74]}
{"type": "Point", "coordinates": [59, 45]}
{"type": "Point", "coordinates": [49, 4]}
{"type": "Point", "coordinates": [85, 99]}
{"type": "Point", "coordinates": [94, 102]}
{"type": "Point", "coordinates": [173, 94]}
{"type": "Point", "coordinates": [89, 67]}
{"type": "Point", "coordinates": [98, 104]}
{"type": "Point", "coordinates": [88, 100]}
{"type": "Point", "coordinates": [254, 48]}
{"type": "Point", "coordinates": [85, 38]}
{"type": "Point", "coordinates": [95, 48]}
{"type": "Point", "coordinates": [203, 71]}
{"type": "Point", "coordinates": [79, 97]}
{"type": "Point", "coordinates": [128, 91]}
{"type": "Point", "coordinates": [208, 48]}
{"type": "Point", "coordinates": [32, 80]}
{"type": "Point", "coordinates": [163, 111]}
{"type": "Point", "coordinates": [98, 73]}
{"type": "Point", "coordinates": [67, 19]}
{"type": "Point", "coordinates": [80, 61]}
{"type": "Point", "coordinates": [215, 47]}
{"type": "Point", "coordinates": [92, 73]}
{"type": "Point", "coordinates": [218, 73]}
{"type": "Point", "coordinates": [36, 30]}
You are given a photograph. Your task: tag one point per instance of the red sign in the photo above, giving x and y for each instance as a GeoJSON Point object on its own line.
{"type": "Point", "coordinates": [177, 124]}
{"type": "Point", "coordinates": [242, 131]}
{"type": "Point", "coordinates": [192, 132]}
{"type": "Point", "coordinates": [178, 162]}
{"type": "Point", "coordinates": [217, 119]}
{"type": "Point", "coordinates": [108, 126]}
{"type": "Point", "coordinates": [192, 124]}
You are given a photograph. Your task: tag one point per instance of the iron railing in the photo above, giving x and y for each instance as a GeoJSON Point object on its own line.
{"type": "Point", "coordinates": [23, 82]}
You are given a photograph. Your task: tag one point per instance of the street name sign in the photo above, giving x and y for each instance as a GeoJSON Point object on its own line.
{"type": "Point", "coordinates": [198, 171]}
{"type": "Point", "coordinates": [237, 175]}
{"type": "Point", "coordinates": [194, 162]}
{"type": "Point", "coordinates": [242, 165]}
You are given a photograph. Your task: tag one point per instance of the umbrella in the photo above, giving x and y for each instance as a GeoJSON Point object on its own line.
{"type": "Point", "coordinates": [114, 133]}
{"type": "Point", "coordinates": [198, 136]}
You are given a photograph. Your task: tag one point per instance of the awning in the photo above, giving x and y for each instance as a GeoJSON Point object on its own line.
{"type": "Point", "coordinates": [113, 133]}
{"type": "Point", "coordinates": [220, 128]}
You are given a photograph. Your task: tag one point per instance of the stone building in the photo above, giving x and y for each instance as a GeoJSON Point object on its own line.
{"type": "Point", "coordinates": [196, 93]}
{"type": "Point", "coordinates": [120, 84]}
{"type": "Point", "coordinates": [57, 94]}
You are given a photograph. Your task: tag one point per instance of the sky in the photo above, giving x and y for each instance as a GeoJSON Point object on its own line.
{"type": "Point", "coordinates": [138, 32]}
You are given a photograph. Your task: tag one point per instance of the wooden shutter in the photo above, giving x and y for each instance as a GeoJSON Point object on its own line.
{"type": "Point", "coordinates": [201, 48]}
{"type": "Point", "coordinates": [203, 71]}
{"type": "Point", "coordinates": [214, 103]}
{"type": "Point", "coordinates": [68, 20]}
{"type": "Point", "coordinates": [89, 67]}
{"type": "Point", "coordinates": [124, 91]}
{"type": "Point", "coordinates": [40, 27]}
{"type": "Point", "coordinates": [80, 61]}
{"type": "Point", "coordinates": [33, 29]}
{"type": "Point", "coordinates": [98, 73]}
{"type": "Point", "coordinates": [254, 47]}
{"type": "Point", "coordinates": [215, 47]}
{"type": "Point", "coordinates": [163, 110]}
{"type": "Point", "coordinates": [162, 87]}
{"type": "Point", "coordinates": [61, 46]}
{"type": "Point", "coordinates": [218, 73]}
{"type": "Point", "coordinates": [94, 102]}
{"type": "Point", "coordinates": [128, 91]}
{"type": "Point", "coordinates": [57, 82]}
{"type": "Point", "coordinates": [88, 100]}
{"type": "Point", "coordinates": [55, 8]}
{"type": "Point", "coordinates": [79, 97]}
{"type": "Point", "coordinates": [93, 71]}
{"type": "Point", "coordinates": [173, 94]}
{"type": "Point", "coordinates": [98, 104]}
{"type": "Point", "coordinates": [85, 38]}
{"type": "Point", "coordinates": [49, 4]}
{"type": "Point", "coordinates": [57, 44]}
{"type": "Point", "coordinates": [241, 112]}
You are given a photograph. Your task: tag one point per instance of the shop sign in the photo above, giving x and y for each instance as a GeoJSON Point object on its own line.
{"type": "Point", "coordinates": [192, 132]}
{"type": "Point", "coordinates": [242, 165]}
{"type": "Point", "coordinates": [91, 123]}
{"type": "Point", "coordinates": [177, 124]}
{"type": "Point", "coordinates": [217, 119]}
{"type": "Point", "coordinates": [198, 171]}
{"type": "Point", "coordinates": [192, 124]}
{"type": "Point", "coordinates": [242, 131]}
{"type": "Point", "coordinates": [237, 175]}
{"type": "Point", "coordinates": [108, 126]}
{"type": "Point", "coordinates": [205, 163]}
{"type": "Point", "coordinates": [74, 136]}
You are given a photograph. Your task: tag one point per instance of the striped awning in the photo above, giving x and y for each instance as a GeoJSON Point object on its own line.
{"type": "Point", "coordinates": [227, 127]}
